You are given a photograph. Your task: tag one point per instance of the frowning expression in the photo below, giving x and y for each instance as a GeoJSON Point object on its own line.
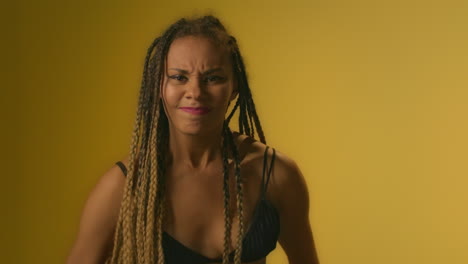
{"type": "Point", "coordinates": [198, 85]}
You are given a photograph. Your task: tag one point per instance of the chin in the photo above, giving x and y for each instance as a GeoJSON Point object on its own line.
{"type": "Point", "coordinates": [198, 130]}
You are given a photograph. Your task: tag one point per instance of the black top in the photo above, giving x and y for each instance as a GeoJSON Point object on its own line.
{"type": "Point", "coordinates": [259, 240]}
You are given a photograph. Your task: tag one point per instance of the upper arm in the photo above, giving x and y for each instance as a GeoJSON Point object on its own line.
{"type": "Point", "coordinates": [98, 219]}
{"type": "Point", "coordinates": [293, 205]}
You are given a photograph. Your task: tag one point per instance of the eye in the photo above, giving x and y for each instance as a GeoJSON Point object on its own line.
{"type": "Point", "coordinates": [179, 78]}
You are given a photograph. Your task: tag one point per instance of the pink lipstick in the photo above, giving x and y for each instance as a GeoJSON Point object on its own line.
{"type": "Point", "coordinates": [196, 110]}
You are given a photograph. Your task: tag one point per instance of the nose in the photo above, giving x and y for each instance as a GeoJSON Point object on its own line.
{"type": "Point", "coordinates": [194, 89]}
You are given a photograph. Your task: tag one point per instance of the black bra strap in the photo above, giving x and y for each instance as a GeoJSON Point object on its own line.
{"type": "Point", "coordinates": [265, 183]}
{"type": "Point", "coordinates": [271, 166]}
{"type": "Point", "coordinates": [122, 167]}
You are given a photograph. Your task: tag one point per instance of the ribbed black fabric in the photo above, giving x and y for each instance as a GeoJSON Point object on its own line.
{"type": "Point", "coordinates": [259, 240]}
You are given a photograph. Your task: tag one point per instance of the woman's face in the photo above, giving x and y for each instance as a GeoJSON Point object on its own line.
{"type": "Point", "coordinates": [197, 74]}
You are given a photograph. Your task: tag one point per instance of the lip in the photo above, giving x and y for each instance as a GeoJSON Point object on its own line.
{"type": "Point", "coordinates": [196, 110]}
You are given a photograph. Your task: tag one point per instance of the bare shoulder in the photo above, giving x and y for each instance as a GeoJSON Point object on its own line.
{"type": "Point", "coordinates": [286, 177]}
{"type": "Point", "coordinates": [288, 191]}
{"type": "Point", "coordinates": [99, 218]}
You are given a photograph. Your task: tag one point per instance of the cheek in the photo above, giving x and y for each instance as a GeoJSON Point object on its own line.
{"type": "Point", "coordinates": [223, 89]}
{"type": "Point", "coordinates": [228, 90]}
{"type": "Point", "coordinates": [171, 95]}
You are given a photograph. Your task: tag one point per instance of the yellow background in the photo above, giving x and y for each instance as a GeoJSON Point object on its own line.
{"type": "Point", "coordinates": [369, 98]}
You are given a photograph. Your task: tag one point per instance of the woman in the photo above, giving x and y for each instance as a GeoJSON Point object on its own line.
{"type": "Point", "coordinates": [191, 191]}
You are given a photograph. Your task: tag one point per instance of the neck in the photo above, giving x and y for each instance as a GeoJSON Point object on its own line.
{"type": "Point", "coordinates": [195, 151]}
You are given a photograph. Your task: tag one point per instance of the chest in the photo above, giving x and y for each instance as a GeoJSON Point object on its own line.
{"type": "Point", "coordinates": [195, 207]}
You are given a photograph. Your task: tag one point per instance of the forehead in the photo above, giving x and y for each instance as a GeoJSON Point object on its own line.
{"type": "Point", "coordinates": [193, 51]}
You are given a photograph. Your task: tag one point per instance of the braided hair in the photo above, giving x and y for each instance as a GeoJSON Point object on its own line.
{"type": "Point", "coordinates": [142, 212]}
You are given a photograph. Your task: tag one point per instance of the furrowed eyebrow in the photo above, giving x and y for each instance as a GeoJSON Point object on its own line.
{"type": "Point", "coordinates": [206, 72]}
{"type": "Point", "coordinates": [179, 70]}
{"type": "Point", "coordinates": [213, 70]}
